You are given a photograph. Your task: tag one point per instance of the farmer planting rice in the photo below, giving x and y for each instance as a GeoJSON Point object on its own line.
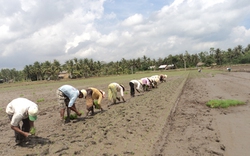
{"type": "Point", "coordinates": [22, 109]}
{"type": "Point", "coordinates": [163, 78]}
{"type": "Point", "coordinates": [67, 96]}
{"type": "Point", "coordinates": [113, 88]}
{"type": "Point", "coordinates": [154, 80]}
{"type": "Point", "coordinates": [146, 83]}
{"type": "Point", "coordinates": [93, 98]}
{"type": "Point", "coordinates": [135, 85]}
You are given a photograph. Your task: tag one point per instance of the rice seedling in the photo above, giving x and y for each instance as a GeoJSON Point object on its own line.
{"type": "Point", "coordinates": [223, 103]}
{"type": "Point", "coordinates": [40, 100]}
{"type": "Point", "coordinates": [33, 131]}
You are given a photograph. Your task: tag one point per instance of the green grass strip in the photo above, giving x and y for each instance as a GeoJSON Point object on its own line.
{"type": "Point", "coordinates": [223, 103]}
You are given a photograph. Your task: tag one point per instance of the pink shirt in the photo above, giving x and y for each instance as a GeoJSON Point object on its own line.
{"type": "Point", "coordinates": [145, 81]}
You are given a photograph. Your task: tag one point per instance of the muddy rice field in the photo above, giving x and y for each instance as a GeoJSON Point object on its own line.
{"type": "Point", "coordinates": [171, 120]}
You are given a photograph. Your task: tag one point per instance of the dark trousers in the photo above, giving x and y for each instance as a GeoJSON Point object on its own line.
{"type": "Point", "coordinates": [132, 89]}
{"type": "Point", "coordinates": [25, 127]}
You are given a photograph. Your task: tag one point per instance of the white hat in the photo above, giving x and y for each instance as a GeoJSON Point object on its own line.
{"type": "Point", "coordinates": [84, 92]}
{"type": "Point", "coordinates": [32, 111]}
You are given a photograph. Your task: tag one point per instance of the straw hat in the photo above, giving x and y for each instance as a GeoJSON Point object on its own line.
{"type": "Point", "coordinates": [84, 92]}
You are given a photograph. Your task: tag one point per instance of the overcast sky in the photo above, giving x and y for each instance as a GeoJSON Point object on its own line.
{"type": "Point", "coordinates": [109, 30]}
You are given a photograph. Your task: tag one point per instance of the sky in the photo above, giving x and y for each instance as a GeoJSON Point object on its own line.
{"type": "Point", "coordinates": [109, 30]}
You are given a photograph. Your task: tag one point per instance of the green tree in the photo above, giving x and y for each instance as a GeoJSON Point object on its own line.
{"type": "Point", "coordinates": [37, 70]}
{"type": "Point", "coordinates": [218, 56]}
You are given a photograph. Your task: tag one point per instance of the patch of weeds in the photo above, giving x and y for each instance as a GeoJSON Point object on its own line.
{"type": "Point", "coordinates": [40, 100]}
{"type": "Point", "coordinates": [128, 153]}
{"type": "Point", "coordinates": [21, 95]}
{"type": "Point", "coordinates": [223, 103]}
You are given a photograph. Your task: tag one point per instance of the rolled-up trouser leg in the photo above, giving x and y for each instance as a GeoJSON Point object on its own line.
{"type": "Point", "coordinates": [66, 103]}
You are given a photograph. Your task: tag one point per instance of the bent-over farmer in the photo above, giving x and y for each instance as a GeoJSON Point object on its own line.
{"type": "Point", "coordinates": [146, 83]}
{"type": "Point", "coordinates": [22, 109]}
{"type": "Point", "coordinates": [135, 85]}
{"type": "Point", "coordinates": [113, 88]}
{"type": "Point", "coordinates": [91, 94]}
{"type": "Point", "coordinates": [67, 96]}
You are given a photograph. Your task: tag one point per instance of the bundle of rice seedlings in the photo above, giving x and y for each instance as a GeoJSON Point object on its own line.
{"type": "Point", "coordinates": [97, 106]}
{"type": "Point", "coordinates": [33, 131]}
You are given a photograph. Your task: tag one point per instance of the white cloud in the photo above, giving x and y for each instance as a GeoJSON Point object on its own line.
{"type": "Point", "coordinates": [27, 5]}
{"type": "Point", "coordinates": [240, 35]}
{"type": "Point", "coordinates": [106, 40]}
{"type": "Point", "coordinates": [110, 16]}
{"type": "Point", "coordinates": [133, 20]}
{"type": "Point", "coordinates": [83, 28]}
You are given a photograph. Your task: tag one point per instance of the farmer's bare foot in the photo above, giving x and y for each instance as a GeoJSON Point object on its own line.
{"type": "Point", "coordinates": [79, 114]}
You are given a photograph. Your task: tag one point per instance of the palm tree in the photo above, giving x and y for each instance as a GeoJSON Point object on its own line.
{"type": "Point", "coordinates": [240, 49]}
{"type": "Point", "coordinates": [230, 55]}
{"type": "Point", "coordinates": [77, 68]}
{"type": "Point", "coordinates": [69, 65]}
{"type": "Point", "coordinates": [133, 65]}
{"type": "Point", "coordinates": [27, 73]}
{"type": "Point", "coordinates": [46, 70]}
{"type": "Point", "coordinates": [237, 51]}
{"type": "Point", "coordinates": [37, 70]}
{"type": "Point", "coordinates": [85, 68]}
{"type": "Point", "coordinates": [124, 66]}
{"type": "Point", "coordinates": [55, 69]}
{"type": "Point", "coordinates": [194, 59]}
{"type": "Point", "coordinates": [247, 49]}
{"type": "Point", "coordinates": [218, 56]}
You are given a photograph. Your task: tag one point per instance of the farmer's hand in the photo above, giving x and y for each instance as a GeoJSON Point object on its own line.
{"type": "Point", "coordinates": [26, 134]}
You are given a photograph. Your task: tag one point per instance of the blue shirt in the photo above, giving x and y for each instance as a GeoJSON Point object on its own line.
{"type": "Point", "coordinates": [71, 92]}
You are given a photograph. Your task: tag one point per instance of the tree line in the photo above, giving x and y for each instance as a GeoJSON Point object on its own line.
{"type": "Point", "coordinates": [84, 68]}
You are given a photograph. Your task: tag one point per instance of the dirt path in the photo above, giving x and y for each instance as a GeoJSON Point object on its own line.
{"type": "Point", "coordinates": [194, 129]}
{"type": "Point", "coordinates": [142, 125]}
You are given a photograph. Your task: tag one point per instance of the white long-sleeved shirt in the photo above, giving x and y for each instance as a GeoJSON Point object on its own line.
{"type": "Point", "coordinates": [137, 84]}
{"type": "Point", "coordinates": [19, 109]}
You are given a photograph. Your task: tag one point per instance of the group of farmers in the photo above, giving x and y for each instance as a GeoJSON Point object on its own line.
{"type": "Point", "coordinates": [22, 109]}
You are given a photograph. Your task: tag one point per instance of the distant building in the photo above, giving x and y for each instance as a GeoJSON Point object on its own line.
{"type": "Point", "coordinates": [63, 75]}
{"type": "Point", "coordinates": [170, 66]}
{"type": "Point", "coordinates": [200, 64]}
{"type": "Point", "coordinates": [163, 66]}
{"type": "Point", "coordinates": [167, 67]}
